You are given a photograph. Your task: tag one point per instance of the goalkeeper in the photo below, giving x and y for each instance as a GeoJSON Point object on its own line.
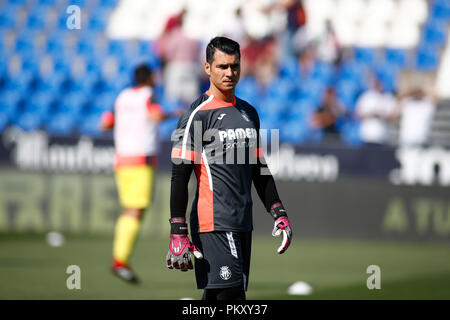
{"type": "Point", "coordinates": [218, 139]}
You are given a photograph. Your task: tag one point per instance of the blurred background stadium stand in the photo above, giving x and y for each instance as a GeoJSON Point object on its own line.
{"type": "Point", "coordinates": [298, 59]}
{"type": "Point", "coordinates": [60, 80]}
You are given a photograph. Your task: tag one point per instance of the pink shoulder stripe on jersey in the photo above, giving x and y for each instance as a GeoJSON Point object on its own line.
{"type": "Point", "coordinates": [205, 203]}
{"type": "Point", "coordinates": [189, 154]}
{"type": "Point", "coordinates": [216, 103]}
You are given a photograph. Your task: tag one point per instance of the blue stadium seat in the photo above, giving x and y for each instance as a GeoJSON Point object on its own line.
{"type": "Point", "coordinates": [129, 60]}
{"type": "Point", "coordinates": [3, 47]}
{"type": "Point", "coordinates": [268, 126]}
{"type": "Point", "coordinates": [440, 10]}
{"type": "Point", "coordinates": [112, 66]}
{"type": "Point", "coordinates": [55, 43]}
{"type": "Point", "coordinates": [60, 49]}
{"type": "Point", "coordinates": [272, 108]}
{"type": "Point", "coordinates": [311, 89]}
{"type": "Point", "coordinates": [158, 91]}
{"type": "Point", "coordinates": [116, 47]}
{"type": "Point", "coordinates": [90, 124]}
{"type": "Point", "coordinates": [435, 32]}
{"type": "Point", "coordinates": [107, 3]}
{"type": "Point", "coordinates": [365, 56]}
{"type": "Point", "coordinates": [347, 91]}
{"type": "Point", "coordinates": [87, 45]}
{"type": "Point", "coordinates": [30, 121]}
{"type": "Point", "coordinates": [166, 128]}
{"type": "Point", "coordinates": [281, 89]}
{"type": "Point", "coordinates": [4, 121]}
{"type": "Point", "coordinates": [48, 2]}
{"type": "Point", "coordinates": [94, 64]}
{"type": "Point", "coordinates": [53, 83]}
{"type": "Point", "coordinates": [427, 58]}
{"type": "Point", "coordinates": [302, 108]}
{"type": "Point", "coordinates": [352, 70]}
{"type": "Point", "coordinates": [25, 43]}
{"type": "Point", "coordinates": [74, 103]}
{"type": "Point", "coordinates": [166, 104]}
{"type": "Point", "coordinates": [20, 82]}
{"type": "Point", "coordinates": [85, 83]}
{"type": "Point", "coordinates": [293, 131]}
{"type": "Point", "coordinates": [324, 72]}
{"type": "Point", "coordinates": [314, 136]}
{"type": "Point", "coordinates": [247, 89]}
{"type": "Point", "coordinates": [10, 102]}
{"type": "Point", "coordinates": [396, 57]}
{"type": "Point", "coordinates": [80, 3]}
{"type": "Point", "coordinates": [103, 102]}
{"type": "Point", "coordinates": [350, 133]}
{"type": "Point", "coordinates": [115, 85]}
{"type": "Point", "coordinates": [98, 19]}
{"type": "Point", "coordinates": [388, 75]}
{"type": "Point", "coordinates": [62, 22]}
{"type": "Point", "coordinates": [62, 124]}
{"type": "Point", "coordinates": [3, 72]}
{"type": "Point", "coordinates": [7, 20]}
{"type": "Point", "coordinates": [37, 18]}
{"type": "Point", "coordinates": [40, 103]}
{"type": "Point", "coordinates": [147, 46]}
{"type": "Point", "coordinates": [62, 65]}
{"type": "Point", "coordinates": [289, 69]}
{"type": "Point", "coordinates": [31, 61]}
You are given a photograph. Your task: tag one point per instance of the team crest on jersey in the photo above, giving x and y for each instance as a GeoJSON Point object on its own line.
{"type": "Point", "coordinates": [245, 116]}
{"type": "Point", "coordinates": [225, 272]}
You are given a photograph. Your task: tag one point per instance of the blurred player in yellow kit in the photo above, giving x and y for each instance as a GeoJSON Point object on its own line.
{"type": "Point", "coordinates": [135, 122]}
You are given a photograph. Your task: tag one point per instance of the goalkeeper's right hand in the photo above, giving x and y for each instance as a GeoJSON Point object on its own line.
{"type": "Point", "coordinates": [180, 246]}
{"type": "Point", "coordinates": [281, 226]}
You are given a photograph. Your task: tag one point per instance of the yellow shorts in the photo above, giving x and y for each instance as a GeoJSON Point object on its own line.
{"type": "Point", "coordinates": [135, 185]}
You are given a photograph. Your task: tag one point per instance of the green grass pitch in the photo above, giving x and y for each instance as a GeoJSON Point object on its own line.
{"type": "Point", "coordinates": [336, 269]}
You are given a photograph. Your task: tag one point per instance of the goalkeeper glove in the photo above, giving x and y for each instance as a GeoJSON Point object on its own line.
{"type": "Point", "coordinates": [281, 225]}
{"type": "Point", "coordinates": [180, 246]}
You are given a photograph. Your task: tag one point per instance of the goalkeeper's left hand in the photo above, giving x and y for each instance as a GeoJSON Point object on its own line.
{"type": "Point", "coordinates": [281, 226]}
{"type": "Point", "coordinates": [180, 247]}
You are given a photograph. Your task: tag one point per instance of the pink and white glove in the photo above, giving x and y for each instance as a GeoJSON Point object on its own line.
{"type": "Point", "coordinates": [281, 226]}
{"type": "Point", "coordinates": [180, 247]}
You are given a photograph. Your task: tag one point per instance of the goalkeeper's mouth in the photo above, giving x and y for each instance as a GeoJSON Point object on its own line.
{"type": "Point", "coordinates": [229, 82]}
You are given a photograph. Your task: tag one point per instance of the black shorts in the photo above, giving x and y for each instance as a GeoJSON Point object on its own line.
{"type": "Point", "coordinates": [226, 259]}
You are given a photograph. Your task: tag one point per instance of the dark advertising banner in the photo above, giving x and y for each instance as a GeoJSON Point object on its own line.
{"type": "Point", "coordinates": [363, 209]}
{"type": "Point", "coordinates": [67, 184]}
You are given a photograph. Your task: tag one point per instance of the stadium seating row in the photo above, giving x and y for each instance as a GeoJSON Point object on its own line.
{"type": "Point", "coordinates": [61, 80]}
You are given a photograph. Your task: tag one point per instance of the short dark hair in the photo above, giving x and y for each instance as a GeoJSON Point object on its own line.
{"type": "Point", "coordinates": [223, 44]}
{"type": "Point", "coordinates": [142, 73]}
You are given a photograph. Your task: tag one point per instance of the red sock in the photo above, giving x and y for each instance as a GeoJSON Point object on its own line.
{"type": "Point", "coordinates": [118, 264]}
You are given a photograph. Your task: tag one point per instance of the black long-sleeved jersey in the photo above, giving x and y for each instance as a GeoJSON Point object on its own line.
{"type": "Point", "coordinates": [220, 142]}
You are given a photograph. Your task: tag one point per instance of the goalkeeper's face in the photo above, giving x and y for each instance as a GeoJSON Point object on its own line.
{"type": "Point", "coordinates": [224, 71]}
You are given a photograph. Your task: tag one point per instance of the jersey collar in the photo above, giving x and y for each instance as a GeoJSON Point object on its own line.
{"type": "Point", "coordinates": [220, 103]}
